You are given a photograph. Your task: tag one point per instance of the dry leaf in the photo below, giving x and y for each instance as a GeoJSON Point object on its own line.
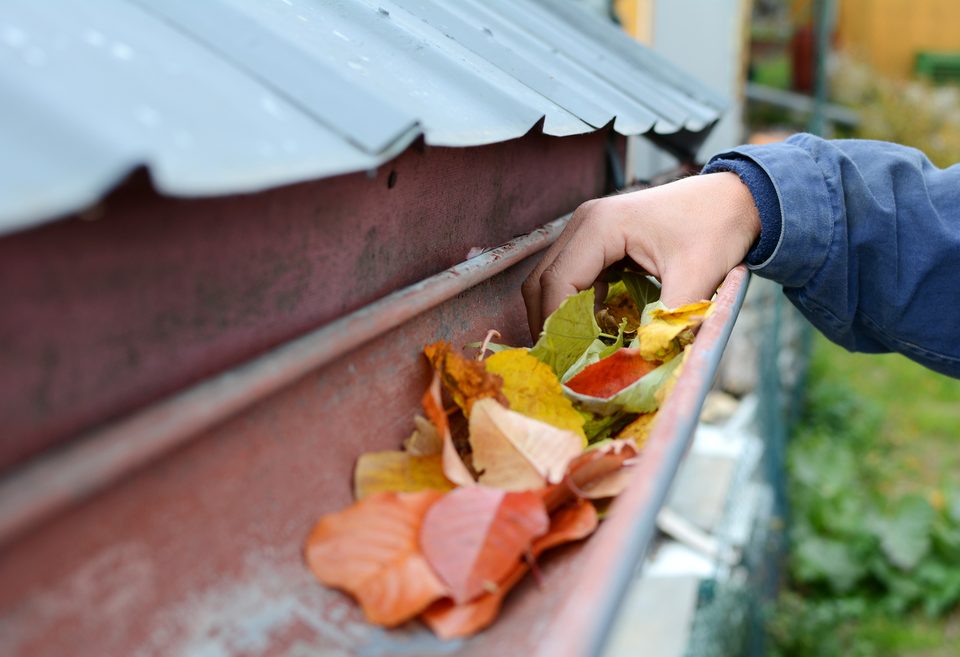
{"type": "Point", "coordinates": [398, 472]}
{"type": "Point", "coordinates": [515, 452]}
{"type": "Point", "coordinates": [597, 473]}
{"type": "Point", "coordinates": [609, 376]}
{"type": "Point", "coordinates": [371, 550]}
{"type": "Point", "coordinates": [475, 536]}
{"type": "Point", "coordinates": [670, 330]}
{"type": "Point", "coordinates": [533, 389]}
{"type": "Point", "coordinates": [466, 380]}
{"type": "Point", "coordinates": [453, 466]}
{"type": "Point", "coordinates": [424, 441]}
{"type": "Point", "coordinates": [449, 620]}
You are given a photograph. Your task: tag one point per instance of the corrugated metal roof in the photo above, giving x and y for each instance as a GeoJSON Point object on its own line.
{"type": "Point", "coordinates": [230, 96]}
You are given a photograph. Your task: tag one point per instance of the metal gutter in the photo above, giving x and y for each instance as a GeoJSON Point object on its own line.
{"type": "Point", "coordinates": [583, 624]}
{"type": "Point", "coordinates": [52, 482]}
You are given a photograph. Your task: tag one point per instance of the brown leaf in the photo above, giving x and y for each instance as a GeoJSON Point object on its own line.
{"type": "Point", "coordinates": [612, 456]}
{"type": "Point", "coordinates": [475, 536]}
{"type": "Point", "coordinates": [371, 550]}
{"type": "Point", "coordinates": [449, 620]}
{"type": "Point", "coordinates": [516, 452]}
{"type": "Point", "coordinates": [598, 472]}
{"type": "Point", "coordinates": [466, 380]}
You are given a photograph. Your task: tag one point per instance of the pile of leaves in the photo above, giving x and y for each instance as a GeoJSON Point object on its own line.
{"type": "Point", "coordinates": [508, 460]}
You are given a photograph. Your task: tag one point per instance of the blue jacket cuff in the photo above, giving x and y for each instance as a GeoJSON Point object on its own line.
{"type": "Point", "coordinates": [803, 204]}
{"type": "Point", "coordinates": [765, 198]}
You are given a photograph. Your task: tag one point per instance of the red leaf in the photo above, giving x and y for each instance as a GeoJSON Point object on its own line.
{"type": "Point", "coordinates": [609, 376]}
{"type": "Point", "coordinates": [475, 536]}
{"type": "Point", "coordinates": [371, 551]}
{"type": "Point", "coordinates": [449, 620]}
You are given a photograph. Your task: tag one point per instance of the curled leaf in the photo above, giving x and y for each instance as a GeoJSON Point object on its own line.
{"type": "Point", "coordinates": [371, 550]}
{"type": "Point", "coordinates": [669, 330]}
{"type": "Point", "coordinates": [532, 388]}
{"type": "Point", "coordinates": [567, 333]}
{"type": "Point", "coordinates": [475, 536]}
{"type": "Point", "coordinates": [466, 380]}
{"type": "Point", "coordinates": [400, 472]}
{"type": "Point", "coordinates": [638, 397]}
{"type": "Point", "coordinates": [515, 452]}
{"type": "Point", "coordinates": [453, 466]}
{"type": "Point", "coordinates": [609, 376]}
{"type": "Point", "coordinates": [425, 440]}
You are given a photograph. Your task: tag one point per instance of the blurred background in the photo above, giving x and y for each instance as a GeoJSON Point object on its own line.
{"type": "Point", "coordinates": [856, 546]}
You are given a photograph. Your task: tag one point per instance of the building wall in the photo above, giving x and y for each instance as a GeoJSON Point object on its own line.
{"type": "Point", "coordinates": [887, 34]}
{"type": "Point", "coordinates": [708, 38]}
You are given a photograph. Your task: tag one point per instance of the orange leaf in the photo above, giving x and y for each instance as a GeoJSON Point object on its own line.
{"type": "Point", "coordinates": [371, 551]}
{"type": "Point", "coordinates": [475, 536]}
{"type": "Point", "coordinates": [449, 620]}
{"type": "Point", "coordinates": [453, 466]}
{"type": "Point", "coordinates": [609, 376]}
{"type": "Point", "coordinates": [516, 452]}
{"type": "Point", "coordinates": [466, 380]}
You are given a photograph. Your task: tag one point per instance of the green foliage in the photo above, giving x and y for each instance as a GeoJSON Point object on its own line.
{"type": "Point", "coordinates": [870, 552]}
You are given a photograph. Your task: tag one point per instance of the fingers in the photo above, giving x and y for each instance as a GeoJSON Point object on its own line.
{"type": "Point", "coordinates": [531, 286]}
{"type": "Point", "coordinates": [592, 241]}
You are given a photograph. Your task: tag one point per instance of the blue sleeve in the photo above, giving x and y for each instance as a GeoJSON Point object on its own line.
{"type": "Point", "coordinates": [867, 241]}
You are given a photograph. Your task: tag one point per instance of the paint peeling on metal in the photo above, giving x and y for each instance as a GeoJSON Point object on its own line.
{"type": "Point", "coordinates": [228, 96]}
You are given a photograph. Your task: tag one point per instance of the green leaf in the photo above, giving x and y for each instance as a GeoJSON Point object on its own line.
{"type": "Point", "coordinates": [604, 427]}
{"type": "Point", "coordinates": [568, 333]}
{"type": "Point", "coordinates": [638, 397]}
{"type": "Point", "coordinates": [642, 288]}
{"type": "Point", "coordinates": [597, 351]}
{"type": "Point", "coordinates": [829, 562]}
{"type": "Point", "coordinates": [905, 536]}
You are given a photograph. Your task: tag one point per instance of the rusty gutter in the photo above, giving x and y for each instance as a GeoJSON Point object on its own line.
{"type": "Point", "coordinates": [49, 483]}
{"type": "Point", "coordinates": [585, 619]}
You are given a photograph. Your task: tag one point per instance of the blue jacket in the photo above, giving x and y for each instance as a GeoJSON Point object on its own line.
{"type": "Point", "coordinates": [864, 236]}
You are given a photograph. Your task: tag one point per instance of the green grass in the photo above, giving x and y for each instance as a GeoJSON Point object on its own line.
{"type": "Point", "coordinates": [874, 481]}
{"type": "Point", "coordinates": [919, 436]}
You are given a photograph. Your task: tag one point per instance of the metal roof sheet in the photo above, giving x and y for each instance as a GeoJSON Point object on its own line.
{"type": "Point", "coordinates": [230, 96]}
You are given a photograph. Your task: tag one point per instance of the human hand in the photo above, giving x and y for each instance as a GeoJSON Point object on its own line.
{"type": "Point", "coordinates": [689, 234]}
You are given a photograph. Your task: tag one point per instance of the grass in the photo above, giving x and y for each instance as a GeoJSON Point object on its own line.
{"type": "Point", "coordinates": [874, 480]}
{"type": "Point", "coordinates": [919, 436]}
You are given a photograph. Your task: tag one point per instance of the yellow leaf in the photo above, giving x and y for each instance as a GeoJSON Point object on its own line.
{"type": "Point", "coordinates": [515, 452]}
{"type": "Point", "coordinates": [639, 429]}
{"type": "Point", "coordinates": [532, 389]}
{"type": "Point", "coordinates": [398, 472]}
{"type": "Point", "coordinates": [670, 330]}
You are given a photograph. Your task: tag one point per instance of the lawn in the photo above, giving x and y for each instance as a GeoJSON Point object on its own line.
{"type": "Point", "coordinates": [874, 481]}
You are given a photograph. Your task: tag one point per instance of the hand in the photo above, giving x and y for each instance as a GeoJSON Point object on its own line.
{"type": "Point", "coordinates": [689, 234]}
